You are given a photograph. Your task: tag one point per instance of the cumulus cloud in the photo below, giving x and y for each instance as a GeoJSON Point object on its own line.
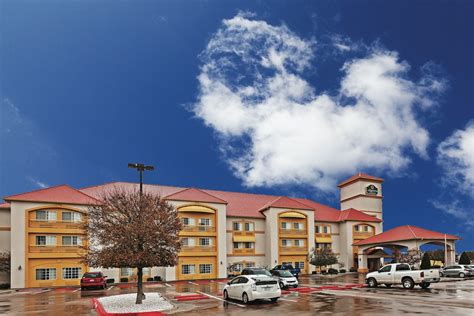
{"type": "Point", "coordinates": [457, 210]}
{"type": "Point", "coordinates": [456, 157]}
{"type": "Point", "coordinates": [275, 128]}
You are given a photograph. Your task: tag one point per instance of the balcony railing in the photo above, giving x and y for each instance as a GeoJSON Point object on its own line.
{"type": "Point", "coordinates": [362, 235]}
{"type": "Point", "coordinates": [53, 249]}
{"type": "Point", "coordinates": [299, 232]}
{"type": "Point", "coordinates": [244, 251]}
{"type": "Point", "coordinates": [198, 249]}
{"type": "Point", "coordinates": [199, 228]}
{"type": "Point", "coordinates": [323, 235]}
{"type": "Point", "coordinates": [243, 233]}
{"type": "Point", "coordinates": [288, 249]}
{"type": "Point", "coordinates": [54, 224]}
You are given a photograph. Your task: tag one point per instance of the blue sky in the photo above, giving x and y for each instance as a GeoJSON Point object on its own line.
{"type": "Point", "coordinates": [279, 97]}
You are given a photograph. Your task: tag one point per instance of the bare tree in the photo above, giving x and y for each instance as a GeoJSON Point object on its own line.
{"type": "Point", "coordinates": [322, 257]}
{"type": "Point", "coordinates": [5, 261]}
{"type": "Point", "coordinates": [131, 230]}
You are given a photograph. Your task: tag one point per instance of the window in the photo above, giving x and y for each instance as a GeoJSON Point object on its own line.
{"type": "Point", "coordinates": [71, 216]}
{"type": "Point", "coordinates": [188, 269]}
{"type": "Point", "coordinates": [298, 226]}
{"type": "Point", "coordinates": [45, 215]}
{"type": "Point", "coordinates": [249, 245]}
{"type": "Point", "coordinates": [249, 227]}
{"type": "Point", "coordinates": [205, 222]}
{"type": "Point", "coordinates": [402, 267]}
{"type": "Point", "coordinates": [250, 264]}
{"type": "Point", "coordinates": [187, 221]}
{"type": "Point", "coordinates": [323, 246]}
{"type": "Point", "coordinates": [188, 242]}
{"type": "Point", "coordinates": [386, 269]}
{"type": "Point", "coordinates": [238, 245]}
{"type": "Point", "coordinates": [205, 268]}
{"type": "Point", "coordinates": [285, 225]}
{"type": "Point", "coordinates": [146, 271]}
{"type": "Point", "coordinates": [125, 272]}
{"type": "Point", "coordinates": [299, 243]}
{"type": "Point", "coordinates": [318, 229]}
{"type": "Point", "coordinates": [357, 228]}
{"type": "Point", "coordinates": [71, 241]}
{"type": "Point", "coordinates": [45, 240]}
{"type": "Point", "coordinates": [205, 242]}
{"type": "Point", "coordinates": [46, 274]}
{"type": "Point", "coordinates": [286, 242]}
{"type": "Point", "coordinates": [327, 229]}
{"type": "Point", "coordinates": [286, 264]}
{"type": "Point", "coordinates": [299, 265]}
{"type": "Point", "coordinates": [237, 226]}
{"type": "Point", "coordinates": [71, 273]}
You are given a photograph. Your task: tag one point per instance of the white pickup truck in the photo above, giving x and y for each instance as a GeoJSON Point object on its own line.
{"type": "Point", "coordinates": [401, 273]}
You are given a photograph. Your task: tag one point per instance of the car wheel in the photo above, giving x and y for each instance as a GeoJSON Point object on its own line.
{"type": "Point", "coordinates": [462, 275]}
{"type": "Point", "coordinates": [104, 286]}
{"type": "Point", "coordinates": [388, 285]}
{"type": "Point", "coordinates": [372, 282]}
{"type": "Point", "coordinates": [408, 283]}
{"type": "Point", "coordinates": [245, 298]}
{"type": "Point", "coordinates": [441, 274]}
{"type": "Point", "coordinates": [295, 286]}
{"type": "Point", "coordinates": [425, 285]}
{"type": "Point", "coordinates": [274, 299]}
{"type": "Point", "coordinates": [83, 288]}
{"type": "Point", "coordinates": [281, 285]}
{"type": "Point", "coordinates": [226, 295]}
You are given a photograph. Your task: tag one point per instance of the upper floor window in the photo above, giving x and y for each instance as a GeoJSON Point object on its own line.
{"type": "Point", "coordinates": [205, 242]}
{"type": "Point", "coordinates": [286, 242]}
{"type": "Point", "coordinates": [249, 227]}
{"type": "Point", "coordinates": [357, 228]}
{"type": "Point", "coordinates": [299, 243]}
{"type": "Point", "coordinates": [323, 245]}
{"type": "Point", "coordinates": [44, 215]}
{"type": "Point", "coordinates": [237, 226]}
{"type": "Point", "coordinates": [325, 229]}
{"type": "Point", "coordinates": [71, 216]}
{"type": "Point", "coordinates": [205, 222]}
{"type": "Point", "coordinates": [298, 226]}
{"type": "Point", "coordinates": [363, 228]}
{"type": "Point", "coordinates": [71, 240]}
{"type": "Point", "coordinates": [45, 240]}
{"type": "Point", "coordinates": [187, 221]}
{"type": "Point", "coordinates": [285, 225]}
{"type": "Point", "coordinates": [188, 242]}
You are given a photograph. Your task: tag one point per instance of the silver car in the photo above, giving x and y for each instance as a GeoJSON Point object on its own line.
{"type": "Point", "coordinates": [285, 278]}
{"type": "Point", "coordinates": [458, 270]}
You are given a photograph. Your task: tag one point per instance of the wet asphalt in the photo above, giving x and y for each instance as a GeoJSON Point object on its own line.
{"type": "Point", "coordinates": [452, 297]}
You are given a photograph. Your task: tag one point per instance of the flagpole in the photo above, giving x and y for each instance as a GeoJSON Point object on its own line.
{"type": "Point", "coordinates": [445, 252]}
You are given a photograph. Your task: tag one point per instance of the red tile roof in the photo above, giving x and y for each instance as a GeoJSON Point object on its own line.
{"type": "Point", "coordinates": [286, 202]}
{"type": "Point", "coordinates": [56, 194]}
{"type": "Point", "coordinates": [193, 194]}
{"type": "Point", "coordinates": [356, 215]}
{"type": "Point", "coordinates": [358, 176]}
{"type": "Point", "coordinates": [5, 205]}
{"type": "Point", "coordinates": [406, 232]}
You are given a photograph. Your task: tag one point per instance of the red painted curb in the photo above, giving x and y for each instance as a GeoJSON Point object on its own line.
{"type": "Point", "coordinates": [102, 312]}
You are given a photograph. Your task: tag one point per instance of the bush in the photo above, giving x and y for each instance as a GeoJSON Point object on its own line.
{"type": "Point", "coordinates": [149, 279]}
{"type": "Point", "coordinates": [123, 280]}
{"type": "Point", "coordinates": [425, 262]}
{"type": "Point", "coordinates": [342, 271]}
{"type": "Point", "coordinates": [464, 259]}
{"type": "Point", "coordinates": [332, 271]}
{"type": "Point", "coordinates": [108, 281]}
{"type": "Point", "coordinates": [314, 272]}
{"type": "Point", "coordinates": [352, 270]}
{"type": "Point", "coordinates": [156, 278]}
{"type": "Point", "coordinates": [4, 286]}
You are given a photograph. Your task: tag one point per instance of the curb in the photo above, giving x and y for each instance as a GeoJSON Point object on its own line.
{"type": "Point", "coordinates": [102, 312]}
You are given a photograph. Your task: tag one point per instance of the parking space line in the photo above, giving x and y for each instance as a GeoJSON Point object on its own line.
{"type": "Point", "coordinates": [167, 284]}
{"type": "Point", "coordinates": [220, 299]}
{"type": "Point", "coordinates": [287, 300]}
{"type": "Point", "coordinates": [76, 290]}
{"type": "Point", "coordinates": [193, 283]}
{"type": "Point", "coordinates": [44, 291]}
{"type": "Point", "coordinates": [110, 288]}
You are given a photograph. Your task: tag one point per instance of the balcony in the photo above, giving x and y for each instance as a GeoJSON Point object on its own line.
{"type": "Point", "coordinates": [196, 249]}
{"type": "Point", "coordinates": [243, 233]}
{"type": "Point", "coordinates": [293, 250]}
{"type": "Point", "coordinates": [54, 249]}
{"type": "Point", "coordinates": [243, 251]}
{"type": "Point", "coordinates": [33, 223]}
{"type": "Point", "coordinates": [362, 235]}
{"type": "Point", "coordinates": [293, 232]}
{"type": "Point", "coordinates": [199, 228]}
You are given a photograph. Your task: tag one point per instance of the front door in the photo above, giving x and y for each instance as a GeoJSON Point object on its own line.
{"type": "Point", "coordinates": [385, 275]}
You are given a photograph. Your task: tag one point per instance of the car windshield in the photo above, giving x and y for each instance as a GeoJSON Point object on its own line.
{"type": "Point", "coordinates": [91, 275]}
{"type": "Point", "coordinates": [285, 273]}
{"type": "Point", "coordinates": [261, 271]}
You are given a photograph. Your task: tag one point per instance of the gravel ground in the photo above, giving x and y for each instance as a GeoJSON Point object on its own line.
{"type": "Point", "coordinates": [125, 303]}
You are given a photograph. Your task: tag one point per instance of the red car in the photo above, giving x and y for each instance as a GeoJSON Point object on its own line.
{"type": "Point", "coordinates": [93, 279]}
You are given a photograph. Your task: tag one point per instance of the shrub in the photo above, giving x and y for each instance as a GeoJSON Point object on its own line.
{"type": "Point", "coordinates": [149, 279]}
{"type": "Point", "coordinates": [110, 281]}
{"type": "Point", "coordinates": [332, 271]}
{"type": "Point", "coordinates": [156, 278]}
{"type": "Point", "coordinates": [425, 262]}
{"type": "Point", "coordinates": [464, 259]}
{"type": "Point", "coordinates": [123, 280]}
{"type": "Point", "coordinates": [4, 286]}
{"type": "Point", "coordinates": [352, 270]}
{"type": "Point", "coordinates": [342, 271]}
{"type": "Point", "coordinates": [314, 272]}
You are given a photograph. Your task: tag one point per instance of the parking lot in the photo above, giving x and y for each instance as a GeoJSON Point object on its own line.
{"type": "Point", "coordinates": [320, 294]}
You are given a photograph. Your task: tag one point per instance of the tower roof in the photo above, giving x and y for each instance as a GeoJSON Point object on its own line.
{"type": "Point", "coordinates": [359, 176]}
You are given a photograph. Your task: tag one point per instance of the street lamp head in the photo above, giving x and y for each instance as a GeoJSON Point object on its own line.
{"type": "Point", "coordinates": [150, 168]}
{"type": "Point", "coordinates": [133, 165]}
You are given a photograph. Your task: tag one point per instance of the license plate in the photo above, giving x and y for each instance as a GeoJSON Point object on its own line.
{"type": "Point", "coordinates": [267, 288]}
{"type": "Point", "coordinates": [91, 280]}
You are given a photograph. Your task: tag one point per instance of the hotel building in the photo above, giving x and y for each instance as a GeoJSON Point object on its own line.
{"type": "Point", "coordinates": [222, 229]}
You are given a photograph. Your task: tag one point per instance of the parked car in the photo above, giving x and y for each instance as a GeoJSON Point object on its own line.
{"type": "Point", "coordinates": [401, 273]}
{"type": "Point", "coordinates": [93, 279]}
{"type": "Point", "coordinates": [285, 278]}
{"type": "Point", "coordinates": [458, 270]}
{"type": "Point", "coordinates": [295, 271]}
{"type": "Point", "coordinates": [248, 288]}
{"type": "Point", "coordinates": [255, 271]}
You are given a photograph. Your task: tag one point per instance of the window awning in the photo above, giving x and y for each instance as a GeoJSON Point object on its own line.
{"type": "Point", "coordinates": [243, 238]}
{"type": "Point", "coordinates": [292, 214]}
{"type": "Point", "coordinates": [322, 240]}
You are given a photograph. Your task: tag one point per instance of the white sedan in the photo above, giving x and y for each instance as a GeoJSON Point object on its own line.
{"type": "Point", "coordinates": [248, 288]}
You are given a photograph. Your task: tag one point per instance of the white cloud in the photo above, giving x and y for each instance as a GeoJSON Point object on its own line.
{"type": "Point", "coordinates": [38, 183]}
{"type": "Point", "coordinates": [456, 157]}
{"type": "Point", "coordinates": [455, 209]}
{"type": "Point", "coordinates": [276, 130]}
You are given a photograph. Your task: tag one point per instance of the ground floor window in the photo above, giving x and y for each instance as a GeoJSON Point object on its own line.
{"type": "Point", "coordinates": [46, 274]}
{"type": "Point", "coordinates": [72, 273]}
{"type": "Point", "coordinates": [299, 265]}
{"type": "Point", "coordinates": [286, 263]}
{"type": "Point", "coordinates": [205, 268]}
{"type": "Point", "coordinates": [125, 272]}
{"type": "Point", "coordinates": [250, 264]}
{"type": "Point", "coordinates": [323, 245]}
{"type": "Point", "coordinates": [188, 269]}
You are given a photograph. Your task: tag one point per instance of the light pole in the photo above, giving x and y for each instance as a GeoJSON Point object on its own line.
{"type": "Point", "coordinates": [141, 168]}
